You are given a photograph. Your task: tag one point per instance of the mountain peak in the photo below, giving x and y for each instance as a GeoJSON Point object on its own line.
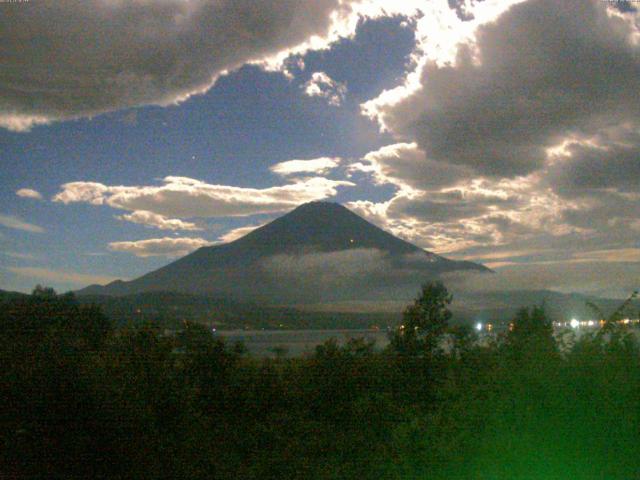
{"type": "Point", "coordinates": [320, 205]}
{"type": "Point", "coordinates": [319, 208]}
{"type": "Point", "coordinates": [262, 264]}
{"type": "Point", "coordinates": [324, 227]}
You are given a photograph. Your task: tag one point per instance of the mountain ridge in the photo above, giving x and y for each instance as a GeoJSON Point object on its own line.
{"type": "Point", "coordinates": [316, 236]}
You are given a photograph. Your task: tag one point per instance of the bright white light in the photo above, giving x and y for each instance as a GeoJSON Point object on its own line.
{"type": "Point", "coordinates": [479, 326]}
{"type": "Point", "coordinates": [574, 323]}
{"type": "Point", "coordinates": [591, 323]}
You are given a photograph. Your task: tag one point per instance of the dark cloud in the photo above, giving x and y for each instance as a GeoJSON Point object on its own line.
{"type": "Point", "coordinates": [405, 164]}
{"type": "Point", "coordinates": [542, 71]}
{"type": "Point", "coordinates": [507, 225]}
{"type": "Point", "coordinates": [538, 110]}
{"type": "Point", "coordinates": [607, 162]}
{"type": "Point", "coordinates": [65, 59]}
{"type": "Point", "coordinates": [623, 6]}
{"type": "Point", "coordinates": [429, 209]}
{"type": "Point", "coordinates": [613, 215]}
{"type": "Point", "coordinates": [460, 6]}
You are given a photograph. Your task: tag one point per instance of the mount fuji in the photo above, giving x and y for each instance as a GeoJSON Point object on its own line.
{"type": "Point", "coordinates": [319, 252]}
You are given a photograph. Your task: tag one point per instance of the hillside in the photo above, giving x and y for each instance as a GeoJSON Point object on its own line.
{"type": "Point", "coordinates": [319, 252]}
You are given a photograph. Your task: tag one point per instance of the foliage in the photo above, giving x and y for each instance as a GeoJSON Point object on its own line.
{"type": "Point", "coordinates": [84, 400]}
{"type": "Point", "coordinates": [424, 322]}
{"type": "Point", "coordinates": [531, 334]}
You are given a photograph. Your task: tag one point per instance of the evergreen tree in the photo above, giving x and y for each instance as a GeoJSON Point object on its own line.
{"type": "Point", "coordinates": [424, 322]}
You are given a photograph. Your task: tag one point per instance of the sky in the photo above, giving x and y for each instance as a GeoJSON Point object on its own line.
{"type": "Point", "coordinates": [505, 132]}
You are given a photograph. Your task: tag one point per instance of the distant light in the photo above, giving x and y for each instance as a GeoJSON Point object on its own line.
{"type": "Point", "coordinates": [591, 323]}
{"type": "Point", "coordinates": [479, 326]}
{"type": "Point", "coordinates": [351, 240]}
{"type": "Point", "coordinates": [574, 323]}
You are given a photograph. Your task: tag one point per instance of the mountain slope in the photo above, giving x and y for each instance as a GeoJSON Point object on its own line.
{"type": "Point", "coordinates": [319, 251]}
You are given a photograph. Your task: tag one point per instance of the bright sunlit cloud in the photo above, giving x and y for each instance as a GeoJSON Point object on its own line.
{"type": "Point", "coordinates": [318, 166]}
{"type": "Point", "coordinates": [181, 197]}
{"type": "Point", "coordinates": [29, 193]}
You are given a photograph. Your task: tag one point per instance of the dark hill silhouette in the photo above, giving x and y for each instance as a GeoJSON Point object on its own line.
{"type": "Point", "coordinates": [320, 251]}
{"type": "Point", "coordinates": [170, 309]}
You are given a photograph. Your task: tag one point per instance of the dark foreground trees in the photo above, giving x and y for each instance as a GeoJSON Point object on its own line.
{"type": "Point", "coordinates": [82, 400]}
{"type": "Point", "coordinates": [424, 322]}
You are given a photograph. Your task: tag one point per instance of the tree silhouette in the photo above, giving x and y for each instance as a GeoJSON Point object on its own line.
{"type": "Point", "coordinates": [531, 334]}
{"type": "Point", "coordinates": [424, 322]}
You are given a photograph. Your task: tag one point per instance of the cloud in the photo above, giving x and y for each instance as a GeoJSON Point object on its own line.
{"type": "Point", "coordinates": [476, 213]}
{"type": "Point", "coordinates": [318, 277]}
{"type": "Point", "coordinates": [160, 247]}
{"type": "Point", "coordinates": [237, 233]}
{"type": "Point", "coordinates": [318, 166]}
{"type": "Point", "coordinates": [29, 193]}
{"type": "Point", "coordinates": [328, 266]}
{"type": "Point", "coordinates": [156, 53]}
{"type": "Point", "coordinates": [347, 275]}
{"type": "Point", "coordinates": [361, 265]}
{"type": "Point", "coordinates": [552, 256]}
{"type": "Point", "coordinates": [151, 219]}
{"type": "Point", "coordinates": [85, 192]}
{"type": "Point", "coordinates": [514, 86]}
{"type": "Point", "coordinates": [512, 135]}
{"type": "Point", "coordinates": [61, 277]}
{"type": "Point", "coordinates": [322, 85]}
{"type": "Point", "coordinates": [595, 277]}
{"type": "Point", "coordinates": [436, 208]}
{"type": "Point", "coordinates": [190, 198]}
{"type": "Point", "coordinates": [618, 255]}
{"type": "Point", "coordinates": [591, 165]}
{"type": "Point", "coordinates": [16, 223]}
{"type": "Point", "coordinates": [406, 166]}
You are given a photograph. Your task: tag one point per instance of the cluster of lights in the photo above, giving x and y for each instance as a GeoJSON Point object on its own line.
{"type": "Point", "coordinates": [480, 327]}
{"type": "Point", "coordinates": [575, 323]}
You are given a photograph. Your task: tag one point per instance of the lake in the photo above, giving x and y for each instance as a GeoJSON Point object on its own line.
{"type": "Point", "coordinates": [261, 343]}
